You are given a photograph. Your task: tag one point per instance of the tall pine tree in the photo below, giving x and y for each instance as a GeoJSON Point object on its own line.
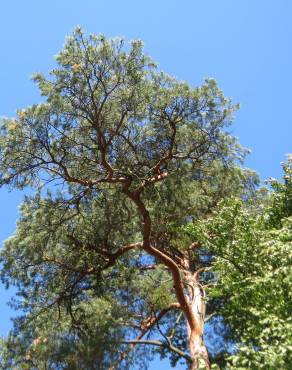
{"type": "Point", "coordinates": [122, 157]}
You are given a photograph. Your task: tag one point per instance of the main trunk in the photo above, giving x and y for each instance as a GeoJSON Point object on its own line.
{"type": "Point", "coordinates": [197, 348]}
{"type": "Point", "coordinates": [192, 303]}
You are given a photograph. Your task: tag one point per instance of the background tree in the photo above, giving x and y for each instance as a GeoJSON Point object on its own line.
{"type": "Point", "coordinates": [251, 248]}
{"type": "Point", "coordinates": [129, 156]}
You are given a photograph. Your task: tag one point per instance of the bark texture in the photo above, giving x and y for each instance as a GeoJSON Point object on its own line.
{"type": "Point", "coordinates": [189, 292]}
{"type": "Point", "coordinates": [197, 348]}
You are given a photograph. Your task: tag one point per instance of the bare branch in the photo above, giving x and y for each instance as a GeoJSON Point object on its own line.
{"type": "Point", "coordinates": [160, 344]}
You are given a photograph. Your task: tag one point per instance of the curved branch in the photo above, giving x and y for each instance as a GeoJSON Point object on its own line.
{"type": "Point", "coordinates": [165, 259]}
{"type": "Point", "coordinates": [160, 344]}
{"type": "Point", "coordinates": [145, 326]}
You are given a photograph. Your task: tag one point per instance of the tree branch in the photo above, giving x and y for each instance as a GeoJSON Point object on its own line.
{"type": "Point", "coordinates": [165, 259]}
{"type": "Point", "coordinates": [160, 344]}
{"type": "Point", "coordinates": [145, 326]}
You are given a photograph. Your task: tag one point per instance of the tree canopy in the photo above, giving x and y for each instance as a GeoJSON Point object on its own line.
{"type": "Point", "coordinates": [252, 270]}
{"type": "Point", "coordinates": [139, 196]}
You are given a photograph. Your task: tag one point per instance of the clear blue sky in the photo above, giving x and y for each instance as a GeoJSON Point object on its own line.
{"type": "Point", "coordinates": [244, 44]}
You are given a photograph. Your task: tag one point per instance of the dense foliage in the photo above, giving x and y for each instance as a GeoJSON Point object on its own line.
{"type": "Point", "coordinates": [140, 208]}
{"type": "Point", "coordinates": [251, 246]}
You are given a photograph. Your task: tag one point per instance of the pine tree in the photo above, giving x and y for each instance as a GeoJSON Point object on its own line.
{"type": "Point", "coordinates": [122, 157]}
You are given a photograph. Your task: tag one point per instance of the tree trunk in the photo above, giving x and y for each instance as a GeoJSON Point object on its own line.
{"type": "Point", "coordinates": [192, 302]}
{"type": "Point", "coordinates": [197, 348]}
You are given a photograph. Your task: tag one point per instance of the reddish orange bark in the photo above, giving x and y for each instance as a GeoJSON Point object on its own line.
{"type": "Point", "coordinates": [191, 303]}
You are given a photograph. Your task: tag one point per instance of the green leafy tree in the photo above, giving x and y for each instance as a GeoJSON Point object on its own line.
{"type": "Point", "coordinates": [252, 257]}
{"type": "Point", "coordinates": [122, 156]}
